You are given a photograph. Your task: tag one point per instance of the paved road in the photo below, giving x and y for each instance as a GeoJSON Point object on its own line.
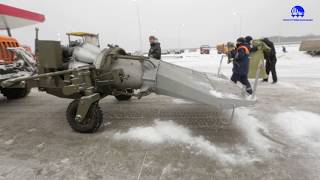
{"type": "Point", "coordinates": [161, 138]}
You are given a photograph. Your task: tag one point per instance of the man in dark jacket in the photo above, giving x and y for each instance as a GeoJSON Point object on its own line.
{"type": "Point", "coordinates": [271, 60]}
{"type": "Point", "coordinates": [155, 49]}
{"type": "Point", "coordinates": [249, 40]}
{"type": "Point", "coordinates": [241, 64]}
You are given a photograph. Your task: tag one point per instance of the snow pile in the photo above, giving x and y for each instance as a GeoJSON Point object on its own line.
{"type": "Point", "coordinates": [161, 132]}
{"type": "Point", "coordinates": [253, 129]}
{"type": "Point", "coordinates": [170, 132]}
{"type": "Point", "coordinates": [300, 124]}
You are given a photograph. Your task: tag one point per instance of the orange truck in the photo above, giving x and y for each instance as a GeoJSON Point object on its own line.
{"type": "Point", "coordinates": [12, 65]}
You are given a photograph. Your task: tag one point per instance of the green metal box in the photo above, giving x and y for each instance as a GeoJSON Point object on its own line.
{"type": "Point", "coordinates": [50, 54]}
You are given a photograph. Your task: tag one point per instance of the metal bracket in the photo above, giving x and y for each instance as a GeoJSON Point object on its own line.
{"type": "Point", "coordinates": [229, 120]}
{"type": "Point", "coordinates": [69, 90]}
{"type": "Point", "coordinates": [233, 112]}
{"type": "Point", "coordinates": [84, 105]}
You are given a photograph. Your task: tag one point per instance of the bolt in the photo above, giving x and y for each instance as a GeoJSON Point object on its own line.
{"type": "Point", "coordinates": [78, 118]}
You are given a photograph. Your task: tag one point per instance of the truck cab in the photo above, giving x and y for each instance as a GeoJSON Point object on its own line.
{"type": "Point", "coordinates": [78, 38]}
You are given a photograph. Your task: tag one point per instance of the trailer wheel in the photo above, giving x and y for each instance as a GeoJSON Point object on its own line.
{"type": "Point", "coordinates": [92, 121]}
{"type": "Point", "coordinates": [124, 97]}
{"type": "Point", "coordinates": [15, 93]}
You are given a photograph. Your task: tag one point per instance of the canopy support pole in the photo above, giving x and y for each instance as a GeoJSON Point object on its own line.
{"type": "Point", "coordinates": [9, 32]}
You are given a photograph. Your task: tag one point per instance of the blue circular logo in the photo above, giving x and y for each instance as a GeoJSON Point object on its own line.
{"type": "Point", "coordinates": [297, 11]}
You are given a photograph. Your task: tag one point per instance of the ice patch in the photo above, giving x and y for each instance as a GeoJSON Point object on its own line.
{"type": "Point", "coordinates": [9, 142]}
{"type": "Point", "coordinates": [170, 132]}
{"type": "Point", "coordinates": [223, 95]}
{"type": "Point", "coordinates": [300, 124]}
{"type": "Point", "coordinates": [216, 93]}
{"type": "Point", "coordinates": [65, 161]}
{"type": "Point", "coordinates": [205, 85]}
{"type": "Point", "coordinates": [182, 101]}
{"type": "Point", "coordinates": [41, 146]}
{"type": "Point", "coordinates": [289, 85]}
{"type": "Point", "coordinates": [32, 130]}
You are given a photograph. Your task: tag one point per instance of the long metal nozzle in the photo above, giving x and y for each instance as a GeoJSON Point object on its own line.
{"type": "Point", "coordinates": [180, 82]}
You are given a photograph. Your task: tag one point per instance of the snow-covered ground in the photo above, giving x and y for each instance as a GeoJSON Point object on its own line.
{"type": "Point", "coordinates": [166, 138]}
{"type": "Point", "coordinates": [282, 116]}
{"type": "Point", "coordinates": [294, 64]}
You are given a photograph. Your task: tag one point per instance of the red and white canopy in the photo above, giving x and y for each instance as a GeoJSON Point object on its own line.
{"type": "Point", "coordinates": [11, 17]}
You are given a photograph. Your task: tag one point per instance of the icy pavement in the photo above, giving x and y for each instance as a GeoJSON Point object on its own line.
{"type": "Point", "coordinates": [166, 138]}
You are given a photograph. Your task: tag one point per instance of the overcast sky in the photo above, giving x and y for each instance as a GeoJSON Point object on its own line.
{"type": "Point", "coordinates": [197, 21]}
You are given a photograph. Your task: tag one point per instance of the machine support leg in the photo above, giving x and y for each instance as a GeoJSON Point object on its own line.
{"type": "Point", "coordinates": [219, 69]}
{"type": "Point", "coordinates": [9, 32]}
{"type": "Point", "coordinates": [256, 81]}
{"type": "Point", "coordinates": [84, 105]}
{"type": "Point", "coordinates": [233, 112]}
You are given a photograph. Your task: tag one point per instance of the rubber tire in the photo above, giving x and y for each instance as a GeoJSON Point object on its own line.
{"type": "Point", "coordinates": [92, 121]}
{"type": "Point", "coordinates": [15, 93]}
{"type": "Point", "coordinates": [125, 97]}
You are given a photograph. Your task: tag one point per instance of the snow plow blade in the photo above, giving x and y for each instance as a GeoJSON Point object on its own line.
{"type": "Point", "coordinates": [184, 83]}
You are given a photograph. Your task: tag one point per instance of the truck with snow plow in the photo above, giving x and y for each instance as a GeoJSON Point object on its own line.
{"type": "Point", "coordinates": [15, 61]}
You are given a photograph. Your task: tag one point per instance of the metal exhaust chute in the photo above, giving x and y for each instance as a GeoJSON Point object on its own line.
{"type": "Point", "coordinates": [176, 81]}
